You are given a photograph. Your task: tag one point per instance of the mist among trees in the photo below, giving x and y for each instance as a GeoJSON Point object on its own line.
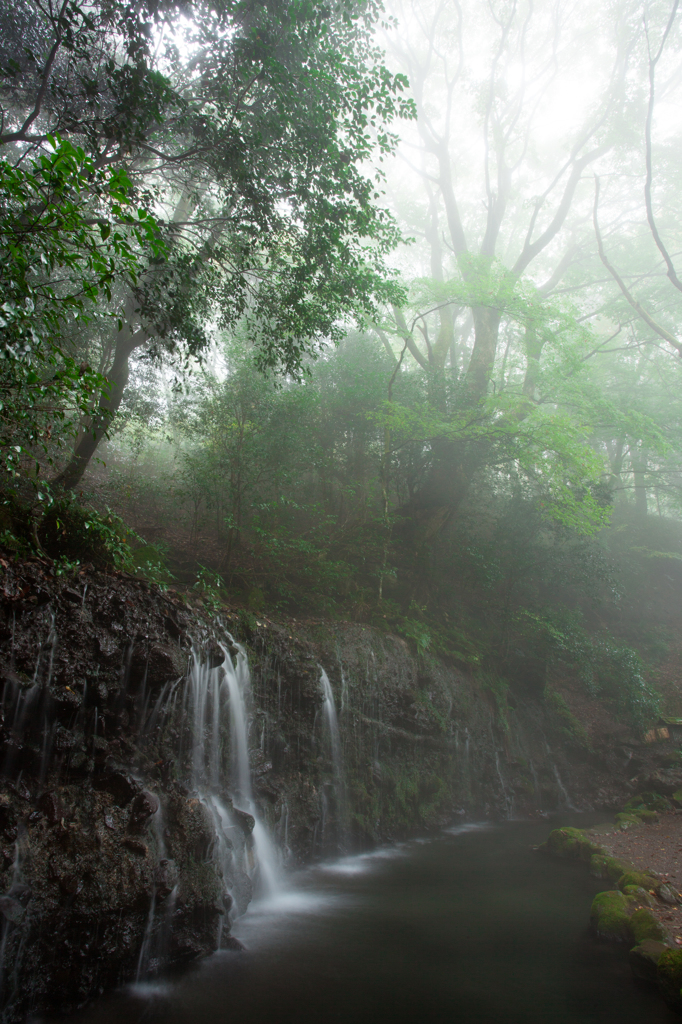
{"type": "Point", "coordinates": [335, 310]}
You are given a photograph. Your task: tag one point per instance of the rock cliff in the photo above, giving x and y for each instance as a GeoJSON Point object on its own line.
{"type": "Point", "coordinates": [150, 751]}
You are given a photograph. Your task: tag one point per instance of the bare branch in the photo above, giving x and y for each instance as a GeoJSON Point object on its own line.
{"type": "Point", "coordinates": [661, 331]}
{"type": "Point", "coordinates": [653, 61]}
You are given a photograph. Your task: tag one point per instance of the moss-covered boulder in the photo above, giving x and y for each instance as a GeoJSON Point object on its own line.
{"type": "Point", "coordinates": [644, 959]}
{"type": "Point", "coordinates": [644, 925]}
{"type": "Point", "coordinates": [628, 820]}
{"type": "Point", "coordinates": [644, 814]}
{"type": "Point", "coordinates": [610, 915]}
{"type": "Point", "coordinates": [643, 896]}
{"type": "Point", "coordinates": [667, 893]}
{"type": "Point", "coordinates": [571, 844]}
{"type": "Point", "coordinates": [677, 797]}
{"type": "Point", "coordinates": [603, 866]}
{"type": "Point", "coordinates": [640, 879]}
{"type": "Point", "coordinates": [663, 890]}
{"type": "Point", "coordinates": [669, 973]}
{"type": "Point", "coordinates": [649, 801]}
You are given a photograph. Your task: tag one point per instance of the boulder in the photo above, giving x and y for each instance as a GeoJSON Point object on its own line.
{"type": "Point", "coordinates": [144, 806]}
{"type": "Point", "coordinates": [669, 973]}
{"type": "Point", "coordinates": [640, 879]}
{"type": "Point", "coordinates": [157, 664]}
{"type": "Point", "coordinates": [245, 820]}
{"type": "Point", "coordinates": [570, 843]}
{"type": "Point", "coordinates": [644, 959]}
{"type": "Point", "coordinates": [644, 925]}
{"type": "Point", "coordinates": [603, 866]}
{"type": "Point", "coordinates": [626, 820]}
{"type": "Point", "coordinates": [610, 915]}
{"type": "Point", "coordinates": [665, 780]}
{"type": "Point", "coordinates": [649, 800]}
{"type": "Point", "coordinates": [120, 784]}
{"type": "Point", "coordinates": [644, 897]}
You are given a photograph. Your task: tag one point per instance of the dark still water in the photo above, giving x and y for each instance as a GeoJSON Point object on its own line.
{"type": "Point", "coordinates": [473, 927]}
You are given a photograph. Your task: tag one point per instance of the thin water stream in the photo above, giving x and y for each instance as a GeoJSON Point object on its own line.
{"type": "Point", "coordinates": [473, 927]}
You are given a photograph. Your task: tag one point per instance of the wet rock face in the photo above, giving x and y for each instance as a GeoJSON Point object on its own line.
{"type": "Point", "coordinates": [111, 860]}
{"type": "Point", "coordinates": [421, 744]}
{"type": "Point", "coordinates": [84, 852]}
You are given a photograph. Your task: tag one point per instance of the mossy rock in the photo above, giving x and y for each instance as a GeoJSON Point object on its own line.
{"type": "Point", "coordinates": [638, 878]}
{"type": "Point", "coordinates": [644, 959]}
{"type": "Point", "coordinates": [663, 890]}
{"type": "Point", "coordinates": [570, 843]}
{"type": "Point", "coordinates": [642, 895]}
{"type": "Point", "coordinates": [644, 925]}
{"type": "Point", "coordinates": [669, 975]}
{"type": "Point", "coordinates": [649, 801]}
{"type": "Point", "coordinates": [627, 820]}
{"type": "Point", "coordinates": [677, 797]}
{"type": "Point", "coordinates": [646, 815]}
{"type": "Point", "coordinates": [610, 915]}
{"type": "Point", "coordinates": [603, 866]}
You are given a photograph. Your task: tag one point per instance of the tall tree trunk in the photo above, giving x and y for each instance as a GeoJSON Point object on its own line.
{"type": "Point", "coordinates": [109, 403]}
{"type": "Point", "coordinates": [127, 340]}
{"type": "Point", "coordinates": [639, 466]}
{"type": "Point", "coordinates": [486, 333]}
{"type": "Point", "coordinates": [454, 462]}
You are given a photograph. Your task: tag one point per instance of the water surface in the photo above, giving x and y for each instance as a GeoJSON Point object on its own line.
{"type": "Point", "coordinates": [473, 927]}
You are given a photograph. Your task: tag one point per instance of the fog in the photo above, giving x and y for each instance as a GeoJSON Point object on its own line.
{"type": "Point", "coordinates": [374, 317]}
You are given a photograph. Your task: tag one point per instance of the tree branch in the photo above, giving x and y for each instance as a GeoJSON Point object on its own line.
{"type": "Point", "coordinates": [661, 331]}
{"type": "Point", "coordinates": [653, 61]}
{"type": "Point", "coordinates": [20, 135]}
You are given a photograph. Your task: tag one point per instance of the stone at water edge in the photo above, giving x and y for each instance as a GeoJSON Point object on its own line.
{"type": "Point", "coordinates": [610, 915]}
{"type": "Point", "coordinates": [649, 800]}
{"type": "Point", "coordinates": [644, 926]}
{"type": "Point", "coordinates": [603, 866]}
{"type": "Point", "coordinates": [644, 959]}
{"type": "Point", "coordinates": [669, 974]}
{"type": "Point", "coordinates": [642, 895]}
{"type": "Point", "coordinates": [571, 843]}
{"type": "Point", "coordinates": [626, 821]}
{"type": "Point", "coordinates": [641, 879]}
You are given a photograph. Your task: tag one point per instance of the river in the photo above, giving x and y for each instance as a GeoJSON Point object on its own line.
{"type": "Point", "coordinates": [471, 927]}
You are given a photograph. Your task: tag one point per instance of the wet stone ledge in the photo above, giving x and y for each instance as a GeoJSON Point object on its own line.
{"type": "Point", "coordinates": [159, 764]}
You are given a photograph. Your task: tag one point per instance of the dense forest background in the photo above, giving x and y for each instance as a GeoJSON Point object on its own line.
{"type": "Point", "coordinates": [327, 310]}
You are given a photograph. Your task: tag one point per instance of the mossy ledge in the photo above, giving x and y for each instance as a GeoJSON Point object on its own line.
{"type": "Point", "coordinates": [624, 914]}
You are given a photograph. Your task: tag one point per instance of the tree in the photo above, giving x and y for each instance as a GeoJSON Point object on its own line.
{"type": "Point", "coordinates": [654, 53]}
{"type": "Point", "coordinates": [504, 205]}
{"type": "Point", "coordinates": [253, 139]}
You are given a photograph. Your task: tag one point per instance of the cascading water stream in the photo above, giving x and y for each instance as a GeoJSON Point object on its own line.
{"type": "Point", "coordinates": [332, 723]}
{"type": "Point", "coordinates": [238, 682]}
{"type": "Point", "coordinates": [220, 697]}
{"type": "Point", "coordinates": [215, 704]}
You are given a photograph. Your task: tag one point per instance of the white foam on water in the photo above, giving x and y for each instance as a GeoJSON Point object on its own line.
{"type": "Point", "coordinates": [292, 901]}
{"type": "Point", "coordinates": [472, 826]}
{"type": "Point", "coordinates": [361, 863]}
{"type": "Point", "coordinates": [148, 989]}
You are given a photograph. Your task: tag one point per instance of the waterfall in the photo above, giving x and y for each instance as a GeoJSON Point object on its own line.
{"type": "Point", "coordinates": [508, 799]}
{"type": "Point", "coordinates": [238, 682]}
{"type": "Point", "coordinates": [332, 723]}
{"type": "Point", "coordinates": [220, 698]}
{"type": "Point", "coordinates": [339, 786]}
{"type": "Point", "coordinates": [562, 789]}
{"type": "Point", "coordinates": [215, 706]}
